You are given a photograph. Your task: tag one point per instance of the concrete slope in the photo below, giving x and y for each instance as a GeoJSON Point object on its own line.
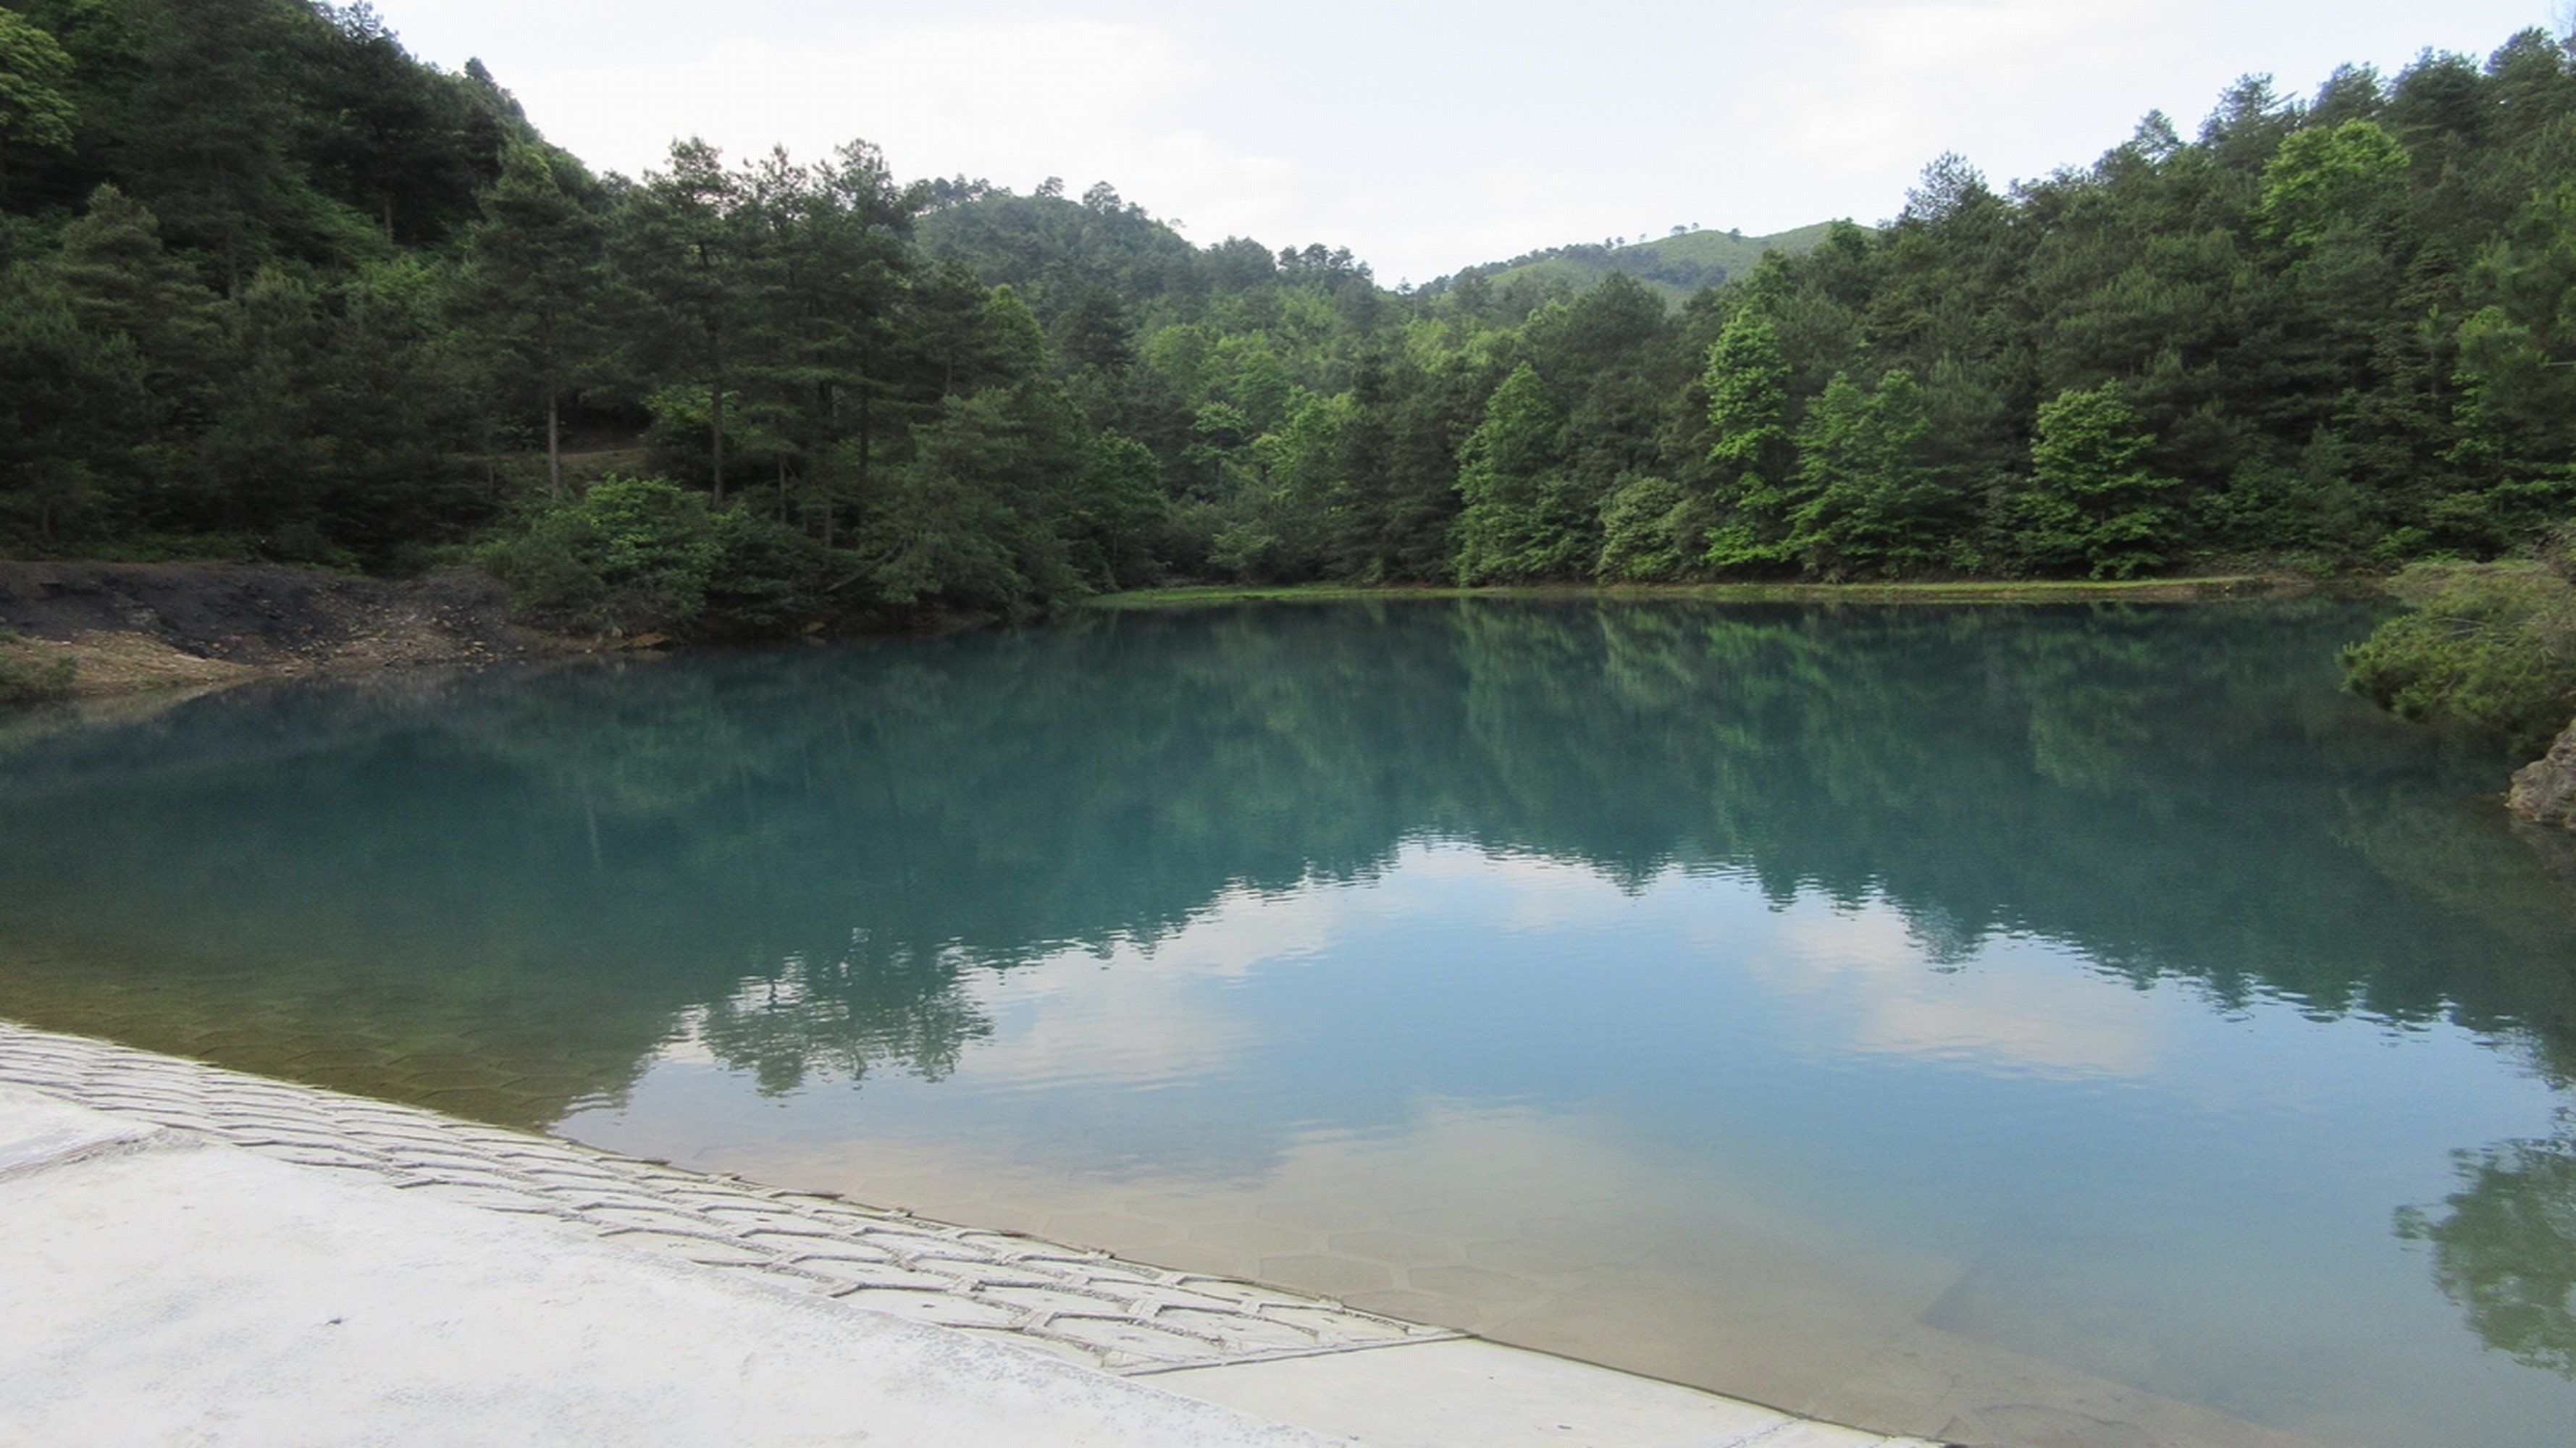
{"type": "Point", "coordinates": [157, 1288]}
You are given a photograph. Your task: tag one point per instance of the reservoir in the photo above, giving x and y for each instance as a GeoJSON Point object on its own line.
{"type": "Point", "coordinates": [1873, 1012]}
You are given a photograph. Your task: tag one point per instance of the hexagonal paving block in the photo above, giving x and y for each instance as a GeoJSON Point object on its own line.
{"type": "Point", "coordinates": [1332, 1276]}
{"type": "Point", "coordinates": [1306, 1215]}
{"type": "Point", "coordinates": [1117, 1335]}
{"type": "Point", "coordinates": [1250, 1237]}
{"type": "Point", "coordinates": [1236, 1330]}
{"type": "Point", "coordinates": [1070, 1299]}
{"type": "Point", "coordinates": [1401, 1248]}
{"type": "Point", "coordinates": [943, 1308]}
{"type": "Point", "coordinates": [1475, 1284]}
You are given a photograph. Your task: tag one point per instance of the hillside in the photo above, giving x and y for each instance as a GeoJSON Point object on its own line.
{"type": "Point", "coordinates": [272, 290]}
{"type": "Point", "coordinates": [1673, 267]}
{"type": "Point", "coordinates": [1055, 251]}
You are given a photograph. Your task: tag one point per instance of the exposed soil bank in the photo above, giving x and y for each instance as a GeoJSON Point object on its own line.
{"type": "Point", "coordinates": [129, 626]}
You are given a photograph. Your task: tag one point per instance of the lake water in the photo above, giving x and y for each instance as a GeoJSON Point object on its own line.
{"type": "Point", "coordinates": [2001, 1024]}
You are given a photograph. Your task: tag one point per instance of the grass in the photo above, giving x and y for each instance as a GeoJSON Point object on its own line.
{"type": "Point", "coordinates": [29, 675]}
{"type": "Point", "coordinates": [2144, 590]}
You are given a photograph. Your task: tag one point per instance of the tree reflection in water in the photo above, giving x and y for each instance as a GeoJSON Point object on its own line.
{"type": "Point", "coordinates": [2506, 1249]}
{"type": "Point", "coordinates": [507, 893]}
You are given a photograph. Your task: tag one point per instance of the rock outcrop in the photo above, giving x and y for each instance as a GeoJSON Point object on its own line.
{"type": "Point", "coordinates": [2544, 790]}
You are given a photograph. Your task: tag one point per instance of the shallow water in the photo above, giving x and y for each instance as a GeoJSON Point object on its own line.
{"type": "Point", "coordinates": [1977, 1023]}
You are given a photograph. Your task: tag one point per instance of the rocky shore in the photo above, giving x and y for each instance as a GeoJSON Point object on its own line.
{"type": "Point", "coordinates": [131, 626]}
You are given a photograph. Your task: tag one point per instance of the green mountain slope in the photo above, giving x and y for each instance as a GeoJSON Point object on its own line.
{"type": "Point", "coordinates": [1674, 266]}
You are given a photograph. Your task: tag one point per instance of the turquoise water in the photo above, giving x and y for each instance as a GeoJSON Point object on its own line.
{"type": "Point", "coordinates": [1952, 1020]}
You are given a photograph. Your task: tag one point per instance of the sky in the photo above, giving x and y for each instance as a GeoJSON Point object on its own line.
{"type": "Point", "coordinates": [1424, 136]}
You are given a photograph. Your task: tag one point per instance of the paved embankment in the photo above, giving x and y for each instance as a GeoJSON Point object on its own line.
{"type": "Point", "coordinates": [194, 1254]}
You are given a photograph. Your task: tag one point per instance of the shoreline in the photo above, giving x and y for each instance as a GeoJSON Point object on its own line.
{"type": "Point", "coordinates": [133, 629]}
{"type": "Point", "coordinates": [180, 629]}
{"type": "Point", "coordinates": [2207, 589]}
{"type": "Point", "coordinates": [584, 1281]}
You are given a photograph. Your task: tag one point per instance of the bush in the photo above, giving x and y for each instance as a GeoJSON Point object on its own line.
{"type": "Point", "coordinates": [2487, 646]}
{"type": "Point", "coordinates": [767, 577]}
{"type": "Point", "coordinates": [644, 554]}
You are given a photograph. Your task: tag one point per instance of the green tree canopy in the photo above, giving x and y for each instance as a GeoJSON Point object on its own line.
{"type": "Point", "coordinates": [2093, 503]}
{"type": "Point", "coordinates": [35, 114]}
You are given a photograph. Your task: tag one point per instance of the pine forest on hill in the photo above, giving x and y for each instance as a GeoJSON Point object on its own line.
{"type": "Point", "coordinates": [271, 288]}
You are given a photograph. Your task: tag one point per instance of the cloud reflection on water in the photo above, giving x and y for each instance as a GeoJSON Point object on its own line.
{"type": "Point", "coordinates": [2068, 941]}
{"type": "Point", "coordinates": [1866, 975]}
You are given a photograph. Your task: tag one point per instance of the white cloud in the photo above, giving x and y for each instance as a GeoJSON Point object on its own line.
{"type": "Point", "coordinates": [1425, 136]}
{"type": "Point", "coordinates": [1015, 91]}
{"type": "Point", "coordinates": [1885, 87]}
{"type": "Point", "coordinates": [1011, 101]}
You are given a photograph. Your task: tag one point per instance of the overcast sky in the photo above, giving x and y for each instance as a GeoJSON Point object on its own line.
{"type": "Point", "coordinates": [1425, 137]}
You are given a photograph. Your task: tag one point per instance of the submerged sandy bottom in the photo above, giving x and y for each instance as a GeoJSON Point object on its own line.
{"type": "Point", "coordinates": [1531, 1236]}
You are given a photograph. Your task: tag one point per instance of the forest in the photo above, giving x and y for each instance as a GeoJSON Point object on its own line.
{"type": "Point", "coordinates": [271, 288]}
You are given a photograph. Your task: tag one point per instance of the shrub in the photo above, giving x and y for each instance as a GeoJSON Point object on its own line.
{"type": "Point", "coordinates": [638, 554]}
{"type": "Point", "coordinates": [2489, 646]}
{"type": "Point", "coordinates": [633, 554]}
{"type": "Point", "coordinates": [765, 577]}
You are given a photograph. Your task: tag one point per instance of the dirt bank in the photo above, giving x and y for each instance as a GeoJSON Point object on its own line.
{"type": "Point", "coordinates": [127, 626]}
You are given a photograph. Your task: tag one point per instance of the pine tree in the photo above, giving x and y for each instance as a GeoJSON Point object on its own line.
{"type": "Point", "coordinates": [1747, 381]}
{"type": "Point", "coordinates": [534, 285]}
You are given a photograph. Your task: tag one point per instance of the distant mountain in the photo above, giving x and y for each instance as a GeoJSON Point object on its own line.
{"type": "Point", "coordinates": [1103, 255]}
{"type": "Point", "coordinates": [1055, 251]}
{"type": "Point", "coordinates": [1675, 266]}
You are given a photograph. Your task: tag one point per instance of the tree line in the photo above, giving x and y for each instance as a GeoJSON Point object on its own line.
{"type": "Point", "coordinates": [269, 287]}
